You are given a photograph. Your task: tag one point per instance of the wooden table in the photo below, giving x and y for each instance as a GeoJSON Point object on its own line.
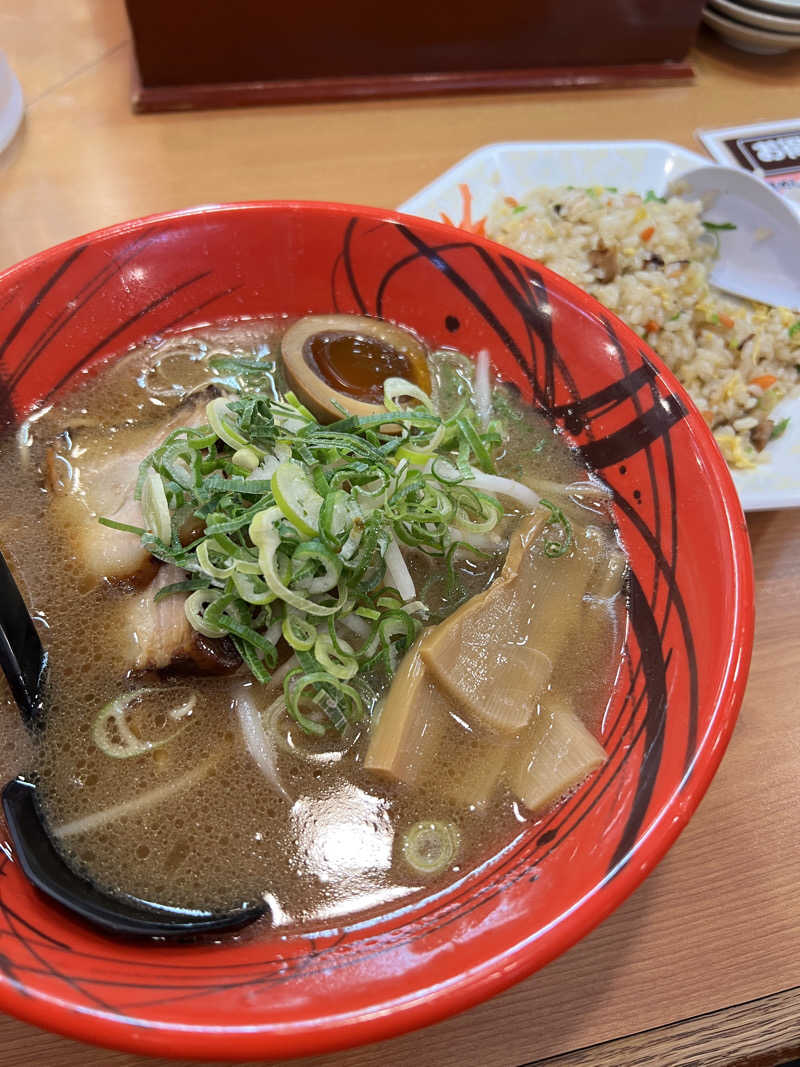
{"type": "Point", "coordinates": [702, 964]}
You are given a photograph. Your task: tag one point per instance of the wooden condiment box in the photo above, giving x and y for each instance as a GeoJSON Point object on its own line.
{"type": "Point", "coordinates": [232, 52]}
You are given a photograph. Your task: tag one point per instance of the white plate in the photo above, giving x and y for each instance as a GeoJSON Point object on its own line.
{"type": "Point", "coordinates": [753, 17]}
{"type": "Point", "coordinates": [749, 38]}
{"type": "Point", "coordinates": [512, 169]}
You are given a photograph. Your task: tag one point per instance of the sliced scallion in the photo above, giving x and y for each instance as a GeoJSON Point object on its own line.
{"type": "Point", "coordinates": [554, 547]}
{"type": "Point", "coordinates": [155, 508]}
{"type": "Point", "coordinates": [430, 847]}
{"type": "Point", "coordinates": [113, 735]}
{"type": "Point", "coordinates": [303, 525]}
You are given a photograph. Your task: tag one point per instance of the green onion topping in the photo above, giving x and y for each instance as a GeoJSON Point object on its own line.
{"type": "Point", "coordinates": [113, 735]}
{"type": "Point", "coordinates": [431, 847]}
{"type": "Point", "coordinates": [296, 519]}
{"type": "Point", "coordinates": [779, 429]}
{"type": "Point", "coordinates": [558, 546]}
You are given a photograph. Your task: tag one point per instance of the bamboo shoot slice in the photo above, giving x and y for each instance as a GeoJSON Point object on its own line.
{"type": "Point", "coordinates": [410, 724]}
{"type": "Point", "coordinates": [555, 755]}
{"type": "Point", "coordinates": [417, 724]}
{"type": "Point", "coordinates": [505, 680]}
{"type": "Point", "coordinates": [494, 655]}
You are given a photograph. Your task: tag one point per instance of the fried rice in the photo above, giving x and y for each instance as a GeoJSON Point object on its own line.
{"type": "Point", "coordinates": [648, 260]}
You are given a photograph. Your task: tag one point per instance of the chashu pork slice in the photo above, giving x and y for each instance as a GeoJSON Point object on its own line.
{"type": "Point", "coordinates": [161, 637]}
{"type": "Point", "coordinates": [92, 474]}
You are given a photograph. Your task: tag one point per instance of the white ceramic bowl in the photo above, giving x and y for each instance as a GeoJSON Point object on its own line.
{"type": "Point", "coordinates": [750, 38]}
{"type": "Point", "coordinates": [779, 7]}
{"type": "Point", "coordinates": [752, 17]}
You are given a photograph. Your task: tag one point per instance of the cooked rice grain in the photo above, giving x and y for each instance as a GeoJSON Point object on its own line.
{"type": "Point", "coordinates": [648, 261]}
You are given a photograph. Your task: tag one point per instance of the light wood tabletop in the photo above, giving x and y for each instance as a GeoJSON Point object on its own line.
{"type": "Point", "coordinates": [702, 964]}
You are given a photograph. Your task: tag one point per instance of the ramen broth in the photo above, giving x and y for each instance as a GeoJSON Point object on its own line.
{"type": "Point", "coordinates": [193, 821]}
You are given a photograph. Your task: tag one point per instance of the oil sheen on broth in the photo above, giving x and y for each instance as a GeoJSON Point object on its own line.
{"type": "Point", "coordinates": [214, 832]}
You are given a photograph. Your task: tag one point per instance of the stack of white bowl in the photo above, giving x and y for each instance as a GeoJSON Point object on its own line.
{"type": "Point", "coordinates": [763, 26]}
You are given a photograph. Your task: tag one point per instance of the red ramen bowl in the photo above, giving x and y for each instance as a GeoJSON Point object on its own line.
{"type": "Point", "coordinates": [681, 678]}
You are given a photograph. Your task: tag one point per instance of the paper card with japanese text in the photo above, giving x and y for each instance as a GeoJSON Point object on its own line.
{"type": "Point", "coordinates": [770, 150]}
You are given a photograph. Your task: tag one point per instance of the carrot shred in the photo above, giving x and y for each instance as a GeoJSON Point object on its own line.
{"type": "Point", "coordinates": [647, 233]}
{"type": "Point", "coordinates": [652, 326]}
{"type": "Point", "coordinates": [708, 416]}
{"type": "Point", "coordinates": [764, 381]}
{"type": "Point", "coordinates": [511, 201]}
{"type": "Point", "coordinates": [726, 320]}
{"type": "Point", "coordinates": [446, 218]}
{"type": "Point", "coordinates": [466, 201]}
{"type": "Point", "coordinates": [479, 226]}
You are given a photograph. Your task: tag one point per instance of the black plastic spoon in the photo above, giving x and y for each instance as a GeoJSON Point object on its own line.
{"type": "Point", "coordinates": [21, 654]}
{"type": "Point", "coordinates": [24, 662]}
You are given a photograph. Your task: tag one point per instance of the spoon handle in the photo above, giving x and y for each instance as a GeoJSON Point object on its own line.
{"type": "Point", "coordinates": [22, 657]}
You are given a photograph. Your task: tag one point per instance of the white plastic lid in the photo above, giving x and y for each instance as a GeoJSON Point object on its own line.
{"type": "Point", "coordinates": [11, 104]}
